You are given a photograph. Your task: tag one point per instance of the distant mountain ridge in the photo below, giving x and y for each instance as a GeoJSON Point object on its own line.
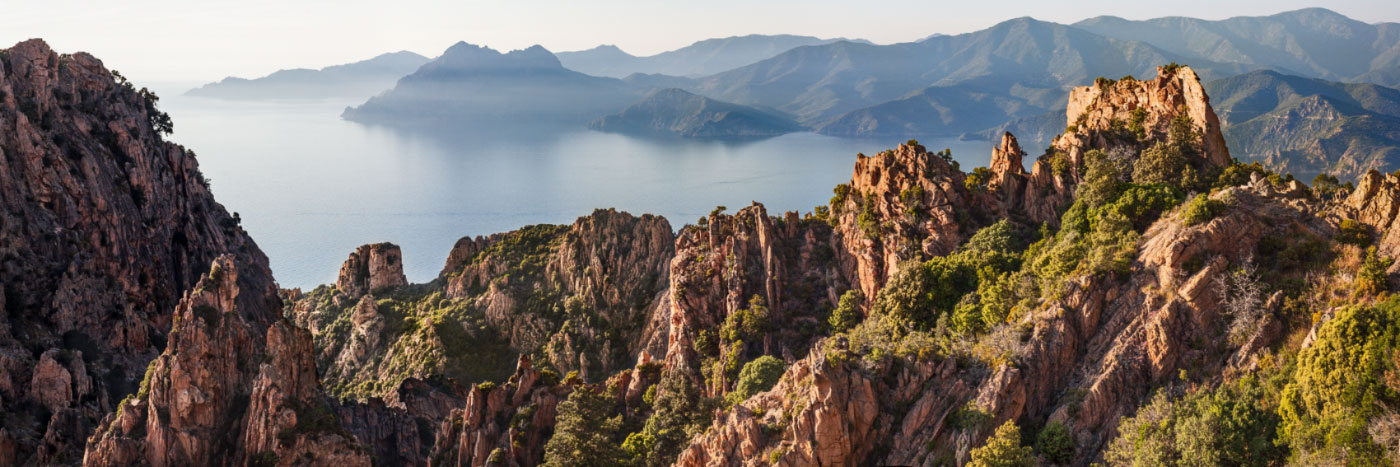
{"type": "Point", "coordinates": [1309, 126]}
{"type": "Point", "coordinates": [1303, 126]}
{"type": "Point", "coordinates": [1021, 59]}
{"type": "Point", "coordinates": [474, 83]}
{"type": "Point", "coordinates": [359, 79]}
{"type": "Point", "coordinates": [1014, 76]}
{"type": "Point", "coordinates": [702, 58]}
{"type": "Point", "coordinates": [1312, 42]}
{"type": "Point", "coordinates": [677, 112]}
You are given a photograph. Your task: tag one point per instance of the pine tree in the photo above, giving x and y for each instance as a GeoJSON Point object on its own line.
{"type": "Point", "coordinates": [1003, 449]}
{"type": "Point", "coordinates": [583, 434]}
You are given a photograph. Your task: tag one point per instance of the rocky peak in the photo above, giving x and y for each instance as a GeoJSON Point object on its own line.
{"type": "Point", "coordinates": [902, 204]}
{"type": "Point", "coordinates": [103, 226]}
{"type": "Point", "coordinates": [783, 268]}
{"type": "Point", "coordinates": [1087, 358]}
{"type": "Point", "coordinates": [226, 390]}
{"type": "Point", "coordinates": [1006, 157]}
{"type": "Point", "coordinates": [609, 261]}
{"type": "Point", "coordinates": [371, 267]}
{"type": "Point", "coordinates": [1096, 113]}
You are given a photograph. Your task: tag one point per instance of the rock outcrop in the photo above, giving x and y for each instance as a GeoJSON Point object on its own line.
{"type": "Point", "coordinates": [103, 226]}
{"type": "Point", "coordinates": [1097, 112]}
{"type": "Point", "coordinates": [235, 385]}
{"type": "Point", "coordinates": [505, 424]}
{"type": "Point", "coordinates": [900, 205]}
{"type": "Point", "coordinates": [1126, 114]}
{"type": "Point", "coordinates": [582, 296]}
{"type": "Point", "coordinates": [1089, 358]}
{"type": "Point", "coordinates": [1376, 203]}
{"type": "Point", "coordinates": [787, 265]}
{"type": "Point", "coordinates": [610, 262]}
{"type": "Point", "coordinates": [371, 267]}
{"type": "Point", "coordinates": [1085, 357]}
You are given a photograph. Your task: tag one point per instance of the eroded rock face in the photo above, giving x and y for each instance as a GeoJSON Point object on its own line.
{"type": "Point", "coordinates": [235, 384]}
{"type": "Point", "coordinates": [103, 226]}
{"type": "Point", "coordinates": [1090, 358]}
{"type": "Point", "coordinates": [1376, 203]}
{"type": "Point", "coordinates": [483, 430]}
{"type": "Point", "coordinates": [371, 267]}
{"type": "Point", "coordinates": [1092, 110]}
{"type": "Point", "coordinates": [1102, 117]}
{"type": "Point", "coordinates": [52, 383]}
{"type": "Point", "coordinates": [610, 262]}
{"type": "Point", "coordinates": [790, 265]}
{"type": "Point", "coordinates": [1006, 156]}
{"type": "Point", "coordinates": [903, 204]}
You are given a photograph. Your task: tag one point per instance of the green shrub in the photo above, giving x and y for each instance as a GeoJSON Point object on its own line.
{"type": "Point", "coordinates": [847, 313]}
{"type": "Point", "coordinates": [867, 221]}
{"type": "Point", "coordinates": [1160, 163]}
{"type": "Point", "coordinates": [910, 198]}
{"type": "Point", "coordinates": [1372, 278]}
{"type": "Point", "coordinates": [1228, 425]}
{"type": "Point", "coordinates": [1339, 385]}
{"type": "Point", "coordinates": [583, 432]}
{"type": "Point", "coordinates": [1055, 443]}
{"type": "Point", "coordinates": [1003, 449]}
{"type": "Point", "coordinates": [757, 376]}
{"type": "Point", "coordinates": [1141, 205]}
{"type": "Point", "coordinates": [970, 417]}
{"type": "Point", "coordinates": [1353, 233]}
{"type": "Point", "coordinates": [749, 323]}
{"type": "Point", "coordinates": [978, 179]}
{"type": "Point", "coordinates": [1200, 209]}
{"type": "Point", "coordinates": [1327, 186]}
{"type": "Point", "coordinates": [841, 192]}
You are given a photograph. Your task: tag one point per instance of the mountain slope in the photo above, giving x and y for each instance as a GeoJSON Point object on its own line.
{"type": "Point", "coordinates": [676, 112]}
{"type": "Point", "coordinates": [702, 58]}
{"type": "Point", "coordinates": [1313, 42]}
{"type": "Point", "coordinates": [943, 110]}
{"type": "Point", "coordinates": [472, 83]}
{"type": "Point", "coordinates": [109, 235]}
{"type": "Point", "coordinates": [360, 79]}
{"type": "Point", "coordinates": [1310, 126]}
{"type": "Point", "coordinates": [821, 83]}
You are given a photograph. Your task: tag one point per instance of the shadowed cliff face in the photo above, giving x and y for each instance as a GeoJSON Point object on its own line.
{"type": "Point", "coordinates": [227, 391]}
{"type": "Point", "coordinates": [103, 226]}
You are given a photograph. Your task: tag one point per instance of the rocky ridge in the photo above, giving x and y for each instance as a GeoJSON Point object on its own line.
{"type": "Point", "coordinates": [207, 400]}
{"type": "Point", "coordinates": [1085, 358]}
{"type": "Point", "coordinates": [103, 227]}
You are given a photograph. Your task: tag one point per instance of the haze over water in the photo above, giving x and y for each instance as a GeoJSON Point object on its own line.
{"type": "Point", "coordinates": [311, 187]}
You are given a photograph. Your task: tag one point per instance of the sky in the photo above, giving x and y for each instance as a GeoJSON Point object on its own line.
{"type": "Point", "coordinates": [205, 40]}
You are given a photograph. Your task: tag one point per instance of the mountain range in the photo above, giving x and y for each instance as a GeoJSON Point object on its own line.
{"type": "Point", "coordinates": [702, 58]}
{"type": "Point", "coordinates": [1014, 76]}
{"type": "Point", "coordinates": [478, 84]}
{"type": "Point", "coordinates": [1312, 42]}
{"type": "Point", "coordinates": [354, 80]}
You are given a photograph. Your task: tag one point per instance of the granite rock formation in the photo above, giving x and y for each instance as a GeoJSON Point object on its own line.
{"type": "Point", "coordinates": [103, 227]}
{"type": "Point", "coordinates": [371, 267]}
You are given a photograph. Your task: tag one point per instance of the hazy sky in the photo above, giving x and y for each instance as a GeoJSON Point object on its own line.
{"type": "Point", "coordinates": [199, 40]}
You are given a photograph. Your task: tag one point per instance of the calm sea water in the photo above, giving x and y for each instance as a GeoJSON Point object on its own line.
{"type": "Point", "coordinates": [310, 187]}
